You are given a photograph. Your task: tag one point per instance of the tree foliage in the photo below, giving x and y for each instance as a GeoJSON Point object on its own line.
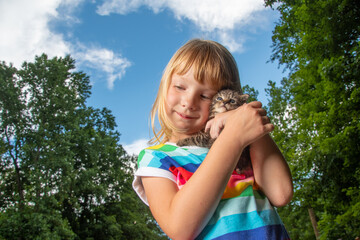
{"type": "Point", "coordinates": [253, 94]}
{"type": "Point", "coordinates": [317, 111]}
{"type": "Point", "coordinates": [63, 173]}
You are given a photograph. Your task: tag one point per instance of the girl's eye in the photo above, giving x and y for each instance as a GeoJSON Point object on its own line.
{"type": "Point", "coordinates": [205, 97]}
{"type": "Point", "coordinates": [179, 87]}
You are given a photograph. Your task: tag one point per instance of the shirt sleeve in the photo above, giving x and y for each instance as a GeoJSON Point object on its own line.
{"type": "Point", "coordinates": [151, 163]}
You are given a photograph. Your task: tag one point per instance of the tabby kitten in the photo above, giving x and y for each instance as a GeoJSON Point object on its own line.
{"type": "Point", "coordinates": [223, 101]}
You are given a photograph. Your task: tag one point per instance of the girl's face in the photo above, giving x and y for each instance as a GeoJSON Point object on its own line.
{"type": "Point", "coordinates": [187, 104]}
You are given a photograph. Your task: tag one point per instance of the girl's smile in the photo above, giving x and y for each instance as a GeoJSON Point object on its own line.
{"type": "Point", "coordinates": [187, 104]}
{"type": "Point", "coordinates": [185, 116]}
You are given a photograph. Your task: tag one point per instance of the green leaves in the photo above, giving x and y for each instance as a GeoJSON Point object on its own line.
{"type": "Point", "coordinates": [317, 113]}
{"type": "Point", "coordinates": [63, 173]}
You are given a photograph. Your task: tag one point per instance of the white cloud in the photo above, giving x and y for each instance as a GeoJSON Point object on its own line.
{"type": "Point", "coordinates": [211, 16]}
{"type": "Point", "coordinates": [105, 60]}
{"type": "Point", "coordinates": [119, 6]}
{"type": "Point", "coordinates": [234, 44]}
{"type": "Point", "coordinates": [25, 28]}
{"type": "Point", "coordinates": [25, 32]}
{"type": "Point", "coordinates": [135, 147]}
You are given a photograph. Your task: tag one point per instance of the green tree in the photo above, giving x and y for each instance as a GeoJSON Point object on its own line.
{"type": "Point", "coordinates": [63, 173]}
{"type": "Point", "coordinates": [317, 110]}
{"type": "Point", "coordinates": [253, 94]}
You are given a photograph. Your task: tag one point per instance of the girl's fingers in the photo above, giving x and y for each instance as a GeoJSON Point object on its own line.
{"type": "Point", "coordinates": [215, 131]}
{"type": "Point", "coordinates": [269, 127]}
{"type": "Point", "coordinates": [262, 112]}
{"type": "Point", "coordinates": [216, 128]}
{"type": "Point", "coordinates": [208, 125]}
{"type": "Point", "coordinates": [215, 125]}
{"type": "Point", "coordinates": [255, 104]}
{"type": "Point", "coordinates": [265, 119]}
{"type": "Point", "coordinates": [247, 117]}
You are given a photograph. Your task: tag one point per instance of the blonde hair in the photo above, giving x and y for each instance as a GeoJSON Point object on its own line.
{"type": "Point", "coordinates": [211, 62]}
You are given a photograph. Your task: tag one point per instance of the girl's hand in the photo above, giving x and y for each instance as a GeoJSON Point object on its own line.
{"type": "Point", "coordinates": [249, 118]}
{"type": "Point", "coordinates": [215, 125]}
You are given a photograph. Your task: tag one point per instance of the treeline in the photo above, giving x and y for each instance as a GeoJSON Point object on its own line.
{"type": "Point", "coordinates": [63, 174]}
{"type": "Point", "coordinates": [317, 113]}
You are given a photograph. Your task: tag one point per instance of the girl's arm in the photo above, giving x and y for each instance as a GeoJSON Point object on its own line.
{"type": "Point", "coordinates": [182, 214]}
{"type": "Point", "coordinates": [271, 171]}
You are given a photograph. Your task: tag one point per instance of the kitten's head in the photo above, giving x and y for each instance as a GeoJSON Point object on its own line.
{"type": "Point", "coordinates": [226, 100]}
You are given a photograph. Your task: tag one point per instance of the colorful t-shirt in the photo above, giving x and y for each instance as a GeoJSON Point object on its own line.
{"type": "Point", "coordinates": [243, 212]}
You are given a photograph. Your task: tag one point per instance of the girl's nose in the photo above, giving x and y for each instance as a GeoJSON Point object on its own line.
{"type": "Point", "coordinates": [189, 102]}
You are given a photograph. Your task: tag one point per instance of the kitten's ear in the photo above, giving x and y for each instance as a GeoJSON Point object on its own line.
{"type": "Point", "coordinates": [244, 97]}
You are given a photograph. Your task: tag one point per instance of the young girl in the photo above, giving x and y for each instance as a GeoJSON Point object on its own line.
{"type": "Point", "coordinates": [193, 192]}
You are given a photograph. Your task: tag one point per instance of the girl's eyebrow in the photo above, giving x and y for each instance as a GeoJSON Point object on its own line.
{"type": "Point", "coordinates": [211, 92]}
{"type": "Point", "coordinates": [177, 77]}
{"type": "Point", "coordinates": [182, 77]}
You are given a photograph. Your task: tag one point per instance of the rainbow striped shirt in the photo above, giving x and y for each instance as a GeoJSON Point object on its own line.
{"type": "Point", "coordinates": [243, 212]}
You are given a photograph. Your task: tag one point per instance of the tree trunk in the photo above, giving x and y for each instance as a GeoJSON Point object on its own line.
{"type": "Point", "coordinates": [314, 222]}
{"type": "Point", "coordinates": [19, 184]}
{"type": "Point", "coordinates": [14, 157]}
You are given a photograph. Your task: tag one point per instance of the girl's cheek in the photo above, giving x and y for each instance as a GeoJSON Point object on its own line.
{"type": "Point", "coordinates": [170, 100]}
{"type": "Point", "coordinates": [207, 112]}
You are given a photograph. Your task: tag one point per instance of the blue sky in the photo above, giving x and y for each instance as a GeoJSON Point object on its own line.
{"type": "Point", "coordinates": [124, 45]}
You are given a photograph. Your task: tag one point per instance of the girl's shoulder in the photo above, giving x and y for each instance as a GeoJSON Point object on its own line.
{"type": "Point", "coordinates": [171, 152]}
{"type": "Point", "coordinates": [160, 148]}
{"type": "Point", "coordinates": [170, 147]}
